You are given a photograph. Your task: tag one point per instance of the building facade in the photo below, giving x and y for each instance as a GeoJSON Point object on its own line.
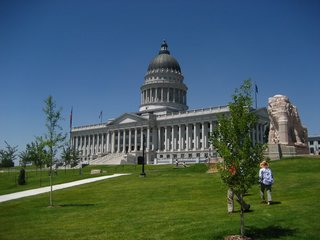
{"type": "Point", "coordinates": [314, 145]}
{"type": "Point", "coordinates": [163, 129]}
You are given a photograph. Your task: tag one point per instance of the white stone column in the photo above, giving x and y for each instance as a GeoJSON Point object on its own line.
{"type": "Point", "coordinates": [165, 138]}
{"type": "Point", "coordinates": [93, 144]}
{"type": "Point", "coordinates": [161, 95]}
{"type": "Point", "coordinates": [76, 143]}
{"type": "Point", "coordinates": [204, 137]}
{"type": "Point", "coordinates": [108, 142]}
{"type": "Point", "coordinates": [102, 143]}
{"type": "Point", "coordinates": [156, 95]}
{"type": "Point", "coordinates": [159, 140]}
{"type": "Point", "coordinates": [113, 141]}
{"type": "Point", "coordinates": [81, 145]}
{"type": "Point", "coordinates": [187, 137]}
{"type": "Point", "coordinates": [89, 145]}
{"type": "Point", "coordinates": [148, 140]}
{"type": "Point", "coordinates": [130, 136]}
{"type": "Point", "coordinates": [180, 139]}
{"type": "Point", "coordinates": [206, 134]}
{"type": "Point", "coordinates": [183, 136]}
{"type": "Point", "coordinates": [124, 141]}
{"type": "Point", "coordinates": [141, 139]}
{"type": "Point", "coordinates": [195, 136]}
{"type": "Point", "coordinates": [135, 139]}
{"type": "Point", "coordinates": [155, 138]}
{"type": "Point", "coordinates": [118, 149]}
{"type": "Point", "coordinates": [173, 138]}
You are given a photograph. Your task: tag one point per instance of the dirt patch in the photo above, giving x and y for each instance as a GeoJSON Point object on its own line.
{"type": "Point", "coordinates": [237, 237]}
{"type": "Point", "coordinates": [213, 168]}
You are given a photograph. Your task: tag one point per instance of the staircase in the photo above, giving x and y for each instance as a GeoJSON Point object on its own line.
{"type": "Point", "coordinates": [110, 159]}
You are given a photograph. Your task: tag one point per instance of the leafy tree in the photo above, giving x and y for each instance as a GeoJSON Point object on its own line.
{"type": "Point", "coordinates": [54, 138]}
{"type": "Point", "coordinates": [70, 156]}
{"type": "Point", "coordinates": [37, 154]}
{"type": "Point", "coordinates": [8, 155]}
{"type": "Point", "coordinates": [66, 156]}
{"type": "Point", "coordinates": [24, 158]}
{"type": "Point", "coordinates": [232, 140]}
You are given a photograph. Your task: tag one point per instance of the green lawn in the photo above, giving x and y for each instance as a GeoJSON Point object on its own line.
{"type": "Point", "coordinates": [170, 203]}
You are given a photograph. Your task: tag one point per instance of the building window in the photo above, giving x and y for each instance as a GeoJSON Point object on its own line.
{"type": "Point", "coordinates": [190, 155]}
{"type": "Point", "coordinates": [168, 156]}
{"type": "Point", "coordinates": [311, 142]}
{"type": "Point", "coordinates": [198, 154]}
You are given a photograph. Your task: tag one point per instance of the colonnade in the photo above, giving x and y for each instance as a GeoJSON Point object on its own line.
{"type": "Point", "coordinates": [161, 94]}
{"type": "Point", "coordinates": [189, 137]}
{"type": "Point", "coordinates": [178, 137]}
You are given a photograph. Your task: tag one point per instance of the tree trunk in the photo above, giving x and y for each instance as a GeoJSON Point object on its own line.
{"type": "Point", "coordinates": [242, 216]}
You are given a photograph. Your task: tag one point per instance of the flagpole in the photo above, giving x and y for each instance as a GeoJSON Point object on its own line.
{"type": "Point", "coordinates": [255, 92]}
{"type": "Point", "coordinates": [70, 125]}
{"type": "Point", "coordinates": [100, 116]}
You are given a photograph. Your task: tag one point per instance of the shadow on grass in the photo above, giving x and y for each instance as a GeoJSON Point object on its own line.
{"type": "Point", "coordinates": [272, 231]}
{"type": "Point", "coordinates": [77, 205]}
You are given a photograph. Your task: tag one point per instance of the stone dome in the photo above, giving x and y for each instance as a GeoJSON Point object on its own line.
{"type": "Point", "coordinates": [164, 60]}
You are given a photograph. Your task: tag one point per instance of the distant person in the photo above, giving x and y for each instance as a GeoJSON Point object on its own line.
{"type": "Point", "coordinates": [266, 181]}
{"type": "Point", "coordinates": [177, 163]}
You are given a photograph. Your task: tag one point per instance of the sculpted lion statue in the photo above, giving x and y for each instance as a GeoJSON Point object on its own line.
{"type": "Point", "coordinates": [285, 124]}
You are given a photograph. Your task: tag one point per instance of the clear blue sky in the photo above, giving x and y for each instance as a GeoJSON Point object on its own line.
{"type": "Point", "coordinates": [93, 55]}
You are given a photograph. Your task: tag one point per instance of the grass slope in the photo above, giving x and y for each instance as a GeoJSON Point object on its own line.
{"type": "Point", "coordinates": [170, 203]}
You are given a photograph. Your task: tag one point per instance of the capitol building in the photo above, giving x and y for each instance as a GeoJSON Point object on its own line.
{"type": "Point", "coordinates": [163, 130]}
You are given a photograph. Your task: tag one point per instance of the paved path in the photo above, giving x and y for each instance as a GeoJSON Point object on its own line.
{"type": "Point", "coordinates": [27, 193]}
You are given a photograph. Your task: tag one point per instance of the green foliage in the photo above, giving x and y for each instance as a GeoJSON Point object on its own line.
{"type": "Point", "coordinates": [54, 138]}
{"type": "Point", "coordinates": [232, 140]}
{"type": "Point", "coordinates": [70, 156]}
{"type": "Point", "coordinates": [36, 152]}
{"type": "Point", "coordinates": [8, 155]}
{"type": "Point", "coordinates": [24, 158]}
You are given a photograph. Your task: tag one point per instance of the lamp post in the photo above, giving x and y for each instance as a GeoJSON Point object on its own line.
{"type": "Point", "coordinates": [143, 174]}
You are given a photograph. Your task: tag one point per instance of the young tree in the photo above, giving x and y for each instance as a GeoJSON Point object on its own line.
{"type": "Point", "coordinates": [8, 155]}
{"type": "Point", "coordinates": [24, 158]}
{"type": "Point", "coordinates": [66, 156]}
{"type": "Point", "coordinates": [232, 140]}
{"type": "Point", "coordinates": [70, 156]}
{"type": "Point", "coordinates": [37, 154]}
{"type": "Point", "coordinates": [54, 138]}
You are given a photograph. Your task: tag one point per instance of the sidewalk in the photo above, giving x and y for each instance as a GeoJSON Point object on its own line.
{"type": "Point", "coordinates": [32, 192]}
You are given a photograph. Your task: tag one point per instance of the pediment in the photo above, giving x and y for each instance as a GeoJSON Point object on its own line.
{"type": "Point", "coordinates": [127, 118]}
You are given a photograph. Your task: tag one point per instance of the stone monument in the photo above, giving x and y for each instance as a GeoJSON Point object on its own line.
{"type": "Point", "coordinates": [287, 136]}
